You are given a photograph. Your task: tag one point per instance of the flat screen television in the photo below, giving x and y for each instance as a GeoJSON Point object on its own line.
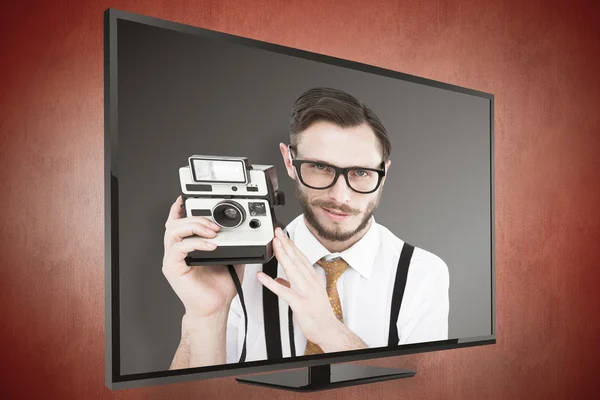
{"type": "Point", "coordinates": [274, 209]}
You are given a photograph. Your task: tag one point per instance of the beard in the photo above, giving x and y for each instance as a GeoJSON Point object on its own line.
{"type": "Point", "coordinates": [335, 233]}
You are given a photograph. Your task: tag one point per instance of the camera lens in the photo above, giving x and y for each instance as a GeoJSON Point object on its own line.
{"type": "Point", "coordinates": [229, 214]}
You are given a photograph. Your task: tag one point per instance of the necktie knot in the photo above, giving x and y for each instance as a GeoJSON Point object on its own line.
{"type": "Point", "coordinates": [333, 269]}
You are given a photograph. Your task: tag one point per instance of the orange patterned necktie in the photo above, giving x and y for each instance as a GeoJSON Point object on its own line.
{"type": "Point", "coordinates": [333, 270]}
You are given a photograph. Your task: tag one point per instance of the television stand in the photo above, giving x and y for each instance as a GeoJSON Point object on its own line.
{"type": "Point", "coordinates": [323, 377]}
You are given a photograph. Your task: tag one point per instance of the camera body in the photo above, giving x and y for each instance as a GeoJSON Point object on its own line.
{"type": "Point", "coordinates": [240, 198]}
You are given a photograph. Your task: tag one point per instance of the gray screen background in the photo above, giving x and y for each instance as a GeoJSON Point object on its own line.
{"type": "Point", "coordinates": [180, 94]}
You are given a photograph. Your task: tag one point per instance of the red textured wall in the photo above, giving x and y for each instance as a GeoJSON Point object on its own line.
{"type": "Point", "coordinates": [540, 59]}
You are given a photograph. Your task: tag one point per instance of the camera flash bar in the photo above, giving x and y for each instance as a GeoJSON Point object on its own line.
{"type": "Point", "coordinates": [219, 170]}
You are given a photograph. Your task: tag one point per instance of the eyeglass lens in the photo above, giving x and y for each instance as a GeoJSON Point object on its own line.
{"type": "Point", "coordinates": [321, 176]}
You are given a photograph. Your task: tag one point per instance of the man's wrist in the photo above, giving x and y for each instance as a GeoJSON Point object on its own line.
{"type": "Point", "coordinates": [203, 341]}
{"type": "Point", "coordinates": [338, 337]}
{"type": "Point", "coordinates": [191, 321]}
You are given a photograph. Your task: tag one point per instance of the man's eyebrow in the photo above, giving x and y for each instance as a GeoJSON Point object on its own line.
{"type": "Point", "coordinates": [319, 161]}
{"type": "Point", "coordinates": [316, 160]}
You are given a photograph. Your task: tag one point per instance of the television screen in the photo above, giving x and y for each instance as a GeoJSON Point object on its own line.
{"type": "Point", "coordinates": [270, 208]}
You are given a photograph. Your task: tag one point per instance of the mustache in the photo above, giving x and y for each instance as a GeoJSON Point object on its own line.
{"type": "Point", "coordinates": [342, 208]}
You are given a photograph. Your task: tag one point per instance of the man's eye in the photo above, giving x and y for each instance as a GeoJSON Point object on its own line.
{"type": "Point", "coordinates": [362, 173]}
{"type": "Point", "coordinates": [319, 166]}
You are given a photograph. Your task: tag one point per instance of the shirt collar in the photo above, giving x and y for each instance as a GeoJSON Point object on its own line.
{"type": "Point", "coordinates": [361, 256]}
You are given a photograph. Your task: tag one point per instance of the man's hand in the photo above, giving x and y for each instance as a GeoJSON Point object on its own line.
{"type": "Point", "coordinates": [307, 296]}
{"type": "Point", "coordinates": [205, 291]}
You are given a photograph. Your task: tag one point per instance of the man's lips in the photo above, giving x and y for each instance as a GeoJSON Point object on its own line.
{"type": "Point", "coordinates": [335, 212]}
{"type": "Point", "coordinates": [335, 216]}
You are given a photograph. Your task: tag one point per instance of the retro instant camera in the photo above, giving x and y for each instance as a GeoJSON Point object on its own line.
{"type": "Point", "coordinates": [238, 197]}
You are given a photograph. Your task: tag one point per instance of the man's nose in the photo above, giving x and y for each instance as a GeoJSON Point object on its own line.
{"type": "Point", "coordinates": [340, 192]}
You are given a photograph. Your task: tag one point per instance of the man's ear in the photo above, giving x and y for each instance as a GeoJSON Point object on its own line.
{"type": "Point", "coordinates": [291, 171]}
{"type": "Point", "coordinates": [387, 167]}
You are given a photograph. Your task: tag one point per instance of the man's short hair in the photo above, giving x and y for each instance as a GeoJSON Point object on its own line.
{"type": "Point", "coordinates": [338, 107]}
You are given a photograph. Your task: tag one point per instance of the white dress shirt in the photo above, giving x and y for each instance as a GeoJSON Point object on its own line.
{"type": "Point", "coordinates": [365, 291]}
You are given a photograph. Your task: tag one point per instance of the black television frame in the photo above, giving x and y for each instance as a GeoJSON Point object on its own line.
{"type": "Point", "coordinates": [113, 377]}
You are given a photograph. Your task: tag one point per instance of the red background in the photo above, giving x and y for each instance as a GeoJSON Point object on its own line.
{"type": "Point", "coordinates": [539, 58]}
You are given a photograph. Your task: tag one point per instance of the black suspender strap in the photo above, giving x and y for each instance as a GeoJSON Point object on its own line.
{"type": "Point", "coordinates": [271, 314]}
{"type": "Point", "coordinates": [398, 294]}
{"type": "Point", "coordinates": [238, 287]}
{"type": "Point", "coordinates": [291, 330]}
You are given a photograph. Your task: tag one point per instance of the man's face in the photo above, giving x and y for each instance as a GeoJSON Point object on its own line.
{"type": "Point", "coordinates": [337, 213]}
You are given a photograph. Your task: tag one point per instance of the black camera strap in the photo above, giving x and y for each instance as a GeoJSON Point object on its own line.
{"type": "Point", "coordinates": [238, 287]}
{"type": "Point", "coordinates": [270, 311]}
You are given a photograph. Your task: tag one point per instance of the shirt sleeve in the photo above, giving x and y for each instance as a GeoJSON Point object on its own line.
{"type": "Point", "coordinates": [430, 321]}
{"type": "Point", "coordinates": [233, 322]}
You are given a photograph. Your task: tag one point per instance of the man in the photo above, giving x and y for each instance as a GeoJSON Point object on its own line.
{"type": "Point", "coordinates": [337, 266]}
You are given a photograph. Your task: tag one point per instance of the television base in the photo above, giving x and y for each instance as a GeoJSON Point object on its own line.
{"type": "Point", "coordinates": [323, 377]}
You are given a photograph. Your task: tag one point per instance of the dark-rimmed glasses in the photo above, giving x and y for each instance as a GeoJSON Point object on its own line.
{"type": "Point", "coordinates": [319, 175]}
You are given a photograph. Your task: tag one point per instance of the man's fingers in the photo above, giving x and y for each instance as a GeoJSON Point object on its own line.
{"type": "Point", "coordinates": [292, 271]}
{"type": "Point", "coordinates": [284, 292]}
{"type": "Point", "coordinates": [298, 258]}
{"type": "Point", "coordinates": [178, 233]}
{"type": "Point", "coordinates": [176, 212]}
{"type": "Point", "coordinates": [176, 216]}
{"type": "Point", "coordinates": [200, 220]}
{"type": "Point", "coordinates": [178, 251]}
{"type": "Point", "coordinates": [310, 269]}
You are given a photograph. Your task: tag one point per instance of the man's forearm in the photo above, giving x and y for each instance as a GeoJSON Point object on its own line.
{"type": "Point", "coordinates": [203, 342]}
{"type": "Point", "coordinates": [340, 338]}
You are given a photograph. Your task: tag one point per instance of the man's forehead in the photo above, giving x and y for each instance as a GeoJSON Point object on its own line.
{"type": "Point", "coordinates": [326, 141]}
